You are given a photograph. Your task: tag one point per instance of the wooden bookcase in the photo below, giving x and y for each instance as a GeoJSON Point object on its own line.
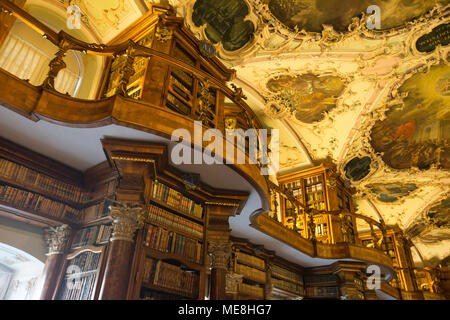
{"type": "Point", "coordinates": [32, 185]}
{"type": "Point", "coordinates": [88, 248]}
{"type": "Point", "coordinates": [81, 273]}
{"type": "Point", "coordinates": [251, 262]}
{"type": "Point", "coordinates": [170, 250]}
{"type": "Point", "coordinates": [400, 255]}
{"type": "Point", "coordinates": [322, 286]}
{"type": "Point", "coordinates": [287, 281]}
{"type": "Point", "coordinates": [27, 189]}
{"type": "Point", "coordinates": [140, 64]}
{"type": "Point", "coordinates": [168, 86]}
{"type": "Point", "coordinates": [322, 189]}
{"type": "Point", "coordinates": [265, 276]}
{"type": "Point", "coordinates": [253, 268]}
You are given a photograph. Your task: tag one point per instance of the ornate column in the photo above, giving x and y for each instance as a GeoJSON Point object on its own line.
{"type": "Point", "coordinates": [220, 253]}
{"type": "Point", "coordinates": [56, 239]}
{"type": "Point", "coordinates": [233, 280]}
{"type": "Point", "coordinates": [269, 285]}
{"type": "Point", "coordinates": [126, 220]}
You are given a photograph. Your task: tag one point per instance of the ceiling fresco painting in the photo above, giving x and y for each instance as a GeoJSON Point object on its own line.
{"type": "Point", "coordinates": [335, 94]}
{"type": "Point", "coordinates": [107, 18]}
{"type": "Point", "coordinates": [434, 225]}
{"type": "Point", "coordinates": [391, 192]}
{"type": "Point", "coordinates": [308, 96]}
{"type": "Point", "coordinates": [225, 22]}
{"type": "Point", "coordinates": [310, 15]}
{"type": "Point", "coordinates": [358, 168]}
{"type": "Point", "coordinates": [417, 133]}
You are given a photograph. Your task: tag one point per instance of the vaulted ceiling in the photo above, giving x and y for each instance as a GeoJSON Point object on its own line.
{"type": "Point", "coordinates": [375, 102]}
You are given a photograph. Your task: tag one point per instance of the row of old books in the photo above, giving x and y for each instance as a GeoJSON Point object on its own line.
{"type": "Point", "coordinates": [322, 291]}
{"type": "Point", "coordinates": [166, 275]}
{"type": "Point", "coordinates": [167, 241]}
{"type": "Point", "coordinates": [288, 286]}
{"type": "Point", "coordinates": [171, 221]}
{"type": "Point", "coordinates": [22, 199]}
{"type": "Point", "coordinates": [97, 234]}
{"type": "Point", "coordinates": [31, 178]}
{"type": "Point", "coordinates": [251, 273]}
{"type": "Point", "coordinates": [98, 210]}
{"type": "Point", "coordinates": [287, 274]}
{"type": "Point", "coordinates": [250, 260]}
{"type": "Point", "coordinates": [252, 291]}
{"type": "Point", "coordinates": [78, 289]}
{"type": "Point", "coordinates": [175, 199]}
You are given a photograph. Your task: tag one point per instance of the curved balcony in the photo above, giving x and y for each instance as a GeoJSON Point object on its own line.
{"type": "Point", "coordinates": [346, 247]}
{"type": "Point", "coordinates": [152, 115]}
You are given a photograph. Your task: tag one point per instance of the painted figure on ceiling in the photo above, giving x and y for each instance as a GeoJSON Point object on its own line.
{"type": "Point", "coordinates": [417, 133]}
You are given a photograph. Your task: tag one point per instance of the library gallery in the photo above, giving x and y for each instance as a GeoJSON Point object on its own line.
{"type": "Point", "coordinates": [224, 150]}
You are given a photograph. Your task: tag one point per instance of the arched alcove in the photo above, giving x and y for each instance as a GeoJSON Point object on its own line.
{"type": "Point", "coordinates": [19, 274]}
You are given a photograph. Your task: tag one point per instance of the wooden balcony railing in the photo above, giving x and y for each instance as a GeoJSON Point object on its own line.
{"type": "Point", "coordinates": [44, 102]}
{"type": "Point", "coordinates": [310, 218]}
{"type": "Point", "coordinates": [323, 246]}
{"type": "Point", "coordinates": [132, 51]}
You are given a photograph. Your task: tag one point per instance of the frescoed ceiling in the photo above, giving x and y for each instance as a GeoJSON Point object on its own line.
{"type": "Point", "coordinates": [375, 102]}
{"type": "Point", "coordinates": [312, 14]}
{"type": "Point", "coordinates": [104, 19]}
{"type": "Point", "coordinates": [224, 21]}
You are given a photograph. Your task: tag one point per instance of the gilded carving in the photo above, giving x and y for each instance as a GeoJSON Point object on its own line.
{"type": "Point", "coordinates": [56, 65]}
{"type": "Point", "coordinates": [163, 34]}
{"type": "Point", "coordinates": [233, 280]}
{"type": "Point", "coordinates": [57, 238]}
{"type": "Point", "coordinates": [220, 253]}
{"type": "Point", "coordinates": [230, 123]}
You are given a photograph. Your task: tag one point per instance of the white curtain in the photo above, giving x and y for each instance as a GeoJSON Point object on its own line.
{"type": "Point", "coordinates": [29, 63]}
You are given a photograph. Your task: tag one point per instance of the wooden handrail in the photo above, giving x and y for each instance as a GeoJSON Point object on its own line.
{"type": "Point", "coordinates": [66, 42]}
{"type": "Point", "coordinates": [314, 212]}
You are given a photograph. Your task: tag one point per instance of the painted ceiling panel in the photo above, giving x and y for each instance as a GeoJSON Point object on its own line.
{"type": "Point", "coordinates": [312, 14]}
{"type": "Point", "coordinates": [373, 102]}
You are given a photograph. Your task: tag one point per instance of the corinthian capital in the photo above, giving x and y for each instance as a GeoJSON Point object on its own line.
{"type": "Point", "coordinates": [233, 280]}
{"type": "Point", "coordinates": [57, 238]}
{"type": "Point", "coordinates": [220, 253]}
{"type": "Point", "coordinates": [126, 220]}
